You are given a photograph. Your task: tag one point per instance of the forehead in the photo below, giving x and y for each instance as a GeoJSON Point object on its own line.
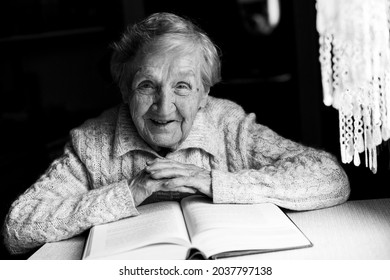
{"type": "Point", "coordinates": [169, 63]}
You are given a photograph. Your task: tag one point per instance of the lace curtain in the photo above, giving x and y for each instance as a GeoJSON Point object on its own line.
{"type": "Point", "coordinates": [355, 69]}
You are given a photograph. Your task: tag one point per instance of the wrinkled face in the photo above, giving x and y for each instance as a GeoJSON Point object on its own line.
{"type": "Point", "coordinates": [165, 95]}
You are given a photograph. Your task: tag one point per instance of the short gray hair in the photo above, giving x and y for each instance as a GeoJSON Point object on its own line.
{"type": "Point", "coordinates": [177, 30]}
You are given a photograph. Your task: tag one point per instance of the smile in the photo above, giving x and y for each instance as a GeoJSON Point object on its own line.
{"type": "Point", "coordinates": [161, 122]}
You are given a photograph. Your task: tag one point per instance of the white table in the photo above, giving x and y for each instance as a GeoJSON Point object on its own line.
{"type": "Point", "coordinates": [354, 230]}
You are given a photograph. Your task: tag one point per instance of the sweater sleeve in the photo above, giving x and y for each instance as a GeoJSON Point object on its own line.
{"type": "Point", "coordinates": [61, 204]}
{"type": "Point", "coordinates": [280, 171]}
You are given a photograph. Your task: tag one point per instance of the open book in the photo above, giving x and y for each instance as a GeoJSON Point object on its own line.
{"type": "Point", "coordinates": [195, 228]}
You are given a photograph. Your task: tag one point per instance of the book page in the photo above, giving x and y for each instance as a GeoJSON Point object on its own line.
{"type": "Point", "coordinates": [163, 251]}
{"type": "Point", "coordinates": [218, 228]}
{"type": "Point", "coordinates": [160, 222]}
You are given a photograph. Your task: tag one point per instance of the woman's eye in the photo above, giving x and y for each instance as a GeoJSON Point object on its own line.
{"type": "Point", "coordinates": [146, 85]}
{"type": "Point", "coordinates": [183, 86]}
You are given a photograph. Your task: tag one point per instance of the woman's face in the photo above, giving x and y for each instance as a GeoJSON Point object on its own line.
{"type": "Point", "coordinates": [165, 95]}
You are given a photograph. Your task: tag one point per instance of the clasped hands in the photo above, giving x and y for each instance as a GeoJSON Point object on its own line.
{"type": "Point", "coordinates": [169, 175]}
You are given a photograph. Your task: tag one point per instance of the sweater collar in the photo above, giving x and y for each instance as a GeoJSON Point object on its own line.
{"type": "Point", "coordinates": [203, 135]}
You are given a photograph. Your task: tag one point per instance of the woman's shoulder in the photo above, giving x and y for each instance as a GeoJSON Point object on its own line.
{"type": "Point", "coordinates": [105, 122]}
{"type": "Point", "coordinates": [223, 104]}
{"type": "Point", "coordinates": [224, 110]}
{"type": "Point", "coordinates": [94, 132]}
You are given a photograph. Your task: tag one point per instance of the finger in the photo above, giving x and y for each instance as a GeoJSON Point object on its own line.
{"type": "Point", "coordinates": [180, 181]}
{"type": "Point", "coordinates": [190, 182]}
{"type": "Point", "coordinates": [153, 185]}
{"type": "Point", "coordinates": [168, 173]}
{"type": "Point", "coordinates": [182, 189]}
{"type": "Point", "coordinates": [149, 162]}
{"type": "Point", "coordinates": [158, 160]}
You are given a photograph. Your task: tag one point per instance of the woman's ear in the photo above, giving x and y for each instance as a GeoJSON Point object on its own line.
{"type": "Point", "coordinates": [125, 84]}
{"type": "Point", "coordinates": [124, 92]}
{"type": "Point", "coordinates": [204, 97]}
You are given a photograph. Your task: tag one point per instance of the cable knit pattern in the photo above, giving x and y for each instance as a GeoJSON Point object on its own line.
{"type": "Point", "coordinates": [249, 163]}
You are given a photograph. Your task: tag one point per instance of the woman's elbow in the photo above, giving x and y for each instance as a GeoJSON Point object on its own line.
{"type": "Point", "coordinates": [342, 187]}
{"type": "Point", "coordinates": [337, 190]}
{"type": "Point", "coordinates": [15, 238]}
{"type": "Point", "coordinates": [19, 236]}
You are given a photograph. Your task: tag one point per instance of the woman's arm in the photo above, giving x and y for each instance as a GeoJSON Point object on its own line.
{"type": "Point", "coordinates": [61, 205]}
{"type": "Point", "coordinates": [280, 171]}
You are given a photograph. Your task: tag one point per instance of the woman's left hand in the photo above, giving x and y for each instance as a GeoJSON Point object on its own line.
{"type": "Point", "coordinates": [180, 174]}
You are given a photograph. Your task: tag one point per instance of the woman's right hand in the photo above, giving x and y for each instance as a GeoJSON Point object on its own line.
{"type": "Point", "coordinates": [143, 185]}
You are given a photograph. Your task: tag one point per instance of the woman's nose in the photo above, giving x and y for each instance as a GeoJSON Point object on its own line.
{"type": "Point", "coordinates": [164, 103]}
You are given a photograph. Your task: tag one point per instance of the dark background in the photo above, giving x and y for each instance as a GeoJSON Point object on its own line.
{"type": "Point", "coordinates": [54, 74]}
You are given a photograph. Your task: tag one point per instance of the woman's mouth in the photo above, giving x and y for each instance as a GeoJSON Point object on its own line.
{"type": "Point", "coordinates": [161, 123]}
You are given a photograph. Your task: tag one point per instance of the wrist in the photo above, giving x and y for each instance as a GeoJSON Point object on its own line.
{"type": "Point", "coordinates": [131, 186]}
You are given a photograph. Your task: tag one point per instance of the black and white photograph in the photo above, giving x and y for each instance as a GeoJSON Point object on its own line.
{"type": "Point", "coordinates": [236, 130]}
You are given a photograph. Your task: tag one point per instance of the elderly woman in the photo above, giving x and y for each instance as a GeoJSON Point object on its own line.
{"type": "Point", "coordinates": [168, 139]}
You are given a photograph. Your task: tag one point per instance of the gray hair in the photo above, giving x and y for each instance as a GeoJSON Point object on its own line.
{"type": "Point", "coordinates": [170, 31]}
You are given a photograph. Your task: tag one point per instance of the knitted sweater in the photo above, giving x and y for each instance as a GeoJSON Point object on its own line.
{"type": "Point", "coordinates": [249, 163]}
